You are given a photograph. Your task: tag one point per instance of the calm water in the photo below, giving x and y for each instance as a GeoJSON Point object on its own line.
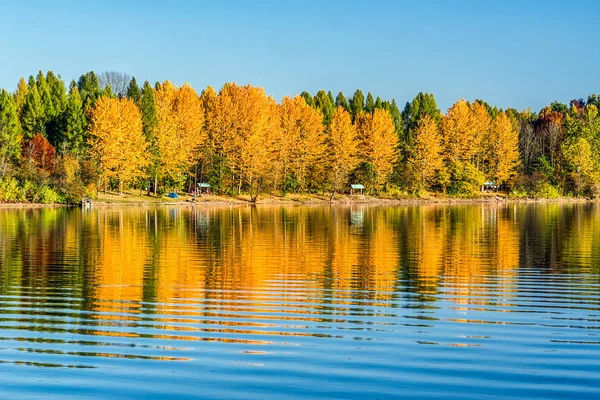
{"type": "Point", "coordinates": [357, 302]}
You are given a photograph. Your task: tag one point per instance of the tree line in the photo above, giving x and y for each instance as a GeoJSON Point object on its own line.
{"type": "Point", "coordinates": [106, 133]}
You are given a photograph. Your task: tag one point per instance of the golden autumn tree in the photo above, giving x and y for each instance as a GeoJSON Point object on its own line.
{"type": "Point", "coordinates": [480, 143]}
{"type": "Point", "coordinates": [244, 126]}
{"type": "Point", "coordinates": [179, 131]}
{"type": "Point", "coordinates": [379, 142]}
{"type": "Point", "coordinates": [504, 155]}
{"type": "Point", "coordinates": [458, 132]}
{"type": "Point", "coordinates": [341, 151]}
{"type": "Point", "coordinates": [426, 157]}
{"type": "Point", "coordinates": [299, 141]}
{"type": "Point", "coordinates": [116, 140]}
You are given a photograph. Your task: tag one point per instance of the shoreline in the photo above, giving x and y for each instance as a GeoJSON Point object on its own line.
{"type": "Point", "coordinates": [297, 200]}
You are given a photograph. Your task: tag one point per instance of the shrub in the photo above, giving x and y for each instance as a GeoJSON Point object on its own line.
{"type": "Point", "coordinates": [10, 191]}
{"type": "Point", "coordinates": [50, 196]}
{"type": "Point", "coordinates": [518, 194]}
{"type": "Point", "coordinates": [397, 193]}
{"type": "Point", "coordinates": [547, 191]}
{"type": "Point", "coordinates": [466, 180]}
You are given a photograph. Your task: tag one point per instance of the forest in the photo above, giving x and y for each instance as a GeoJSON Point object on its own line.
{"type": "Point", "coordinates": [107, 133]}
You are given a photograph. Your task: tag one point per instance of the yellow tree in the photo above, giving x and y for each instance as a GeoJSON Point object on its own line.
{"type": "Point", "coordinates": [480, 143]}
{"type": "Point", "coordinates": [179, 131]}
{"type": "Point", "coordinates": [426, 157]}
{"type": "Point", "coordinates": [341, 151]}
{"type": "Point", "coordinates": [504, 157]}
{"type": "Point", "coordinates": [244, 125]}
{"type": "Point", "coordinates": [458, 132]}
{"type": "Point", "coordinates": [299, 141]}
{"type": "Point", "coordinates": [116, 140]}
{"type": "Point", "coordinates": [379, 142]}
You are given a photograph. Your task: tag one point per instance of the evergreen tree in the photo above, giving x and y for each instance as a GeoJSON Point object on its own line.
{"type": "Point", "coordinates": [49, 111]}
{"type": "Point", "coordinates": [396, 115]}
{"type": "Point", "coordinates": [32, 117]}
{"type": "Point", "coordinates": [370, 103]}
{"type": "Point", "coordinates": [331, 99]}
{"type": "Point", "coordinates": [40, 81]}
{"type": "Point", "coordinates": [58, 92]}
{"type": "Point", "coordinates": [89, 89]}
{"type": "Point", "coordinates": [73, 123]}
{"type": "Point", "coordinates": [357, 104]}
{"type": "Point", "coordinates": [55, 88]}
{"type": "Point", "coordinates": [108, 92]}
{"type": "Point", "coordinates": [133, 91]}
{"type": "Point", "coordinates": [323, 103]}
{"type": "Point", "coordinates": [10, 139]}
{"type": "Point", "coordinates": [340, 101]}
{"type": "Point", "coordinates": [378, 103]}
{"type": "Point", "coordinates": [148, 110]}
{"type": "Point", "coordinates": [422, 104]}
{"type": "Point", "coordinates": [20, 95]}
{"type": "Point", "coordinates": [308, 98]}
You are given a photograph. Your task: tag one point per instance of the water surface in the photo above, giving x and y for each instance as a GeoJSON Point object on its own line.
{"type": "Point", "coordinates": [474, 301]}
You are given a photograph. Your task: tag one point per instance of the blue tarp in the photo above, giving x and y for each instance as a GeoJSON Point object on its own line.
{"type": "Point", "coordinates": [173, 195]}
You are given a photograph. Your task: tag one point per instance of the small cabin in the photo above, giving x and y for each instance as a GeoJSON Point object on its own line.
{"type": "Point", "coordinates": [489, 187]}
{"type": "Point", "coordinates": [356, 186]}
{"type": "Point", "coordinates": [204, 187]}
{"type": "Point", "coordinates": [86, 202]}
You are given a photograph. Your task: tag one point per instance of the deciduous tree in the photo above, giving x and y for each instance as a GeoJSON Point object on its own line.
{"type": "Point", "coordinates": [116, 140]}
{"type": "Point", "coordinates": [341, 150]}
{"type": "Point", "coordinates": [504, 140]}
{"type": "Point", "coordinates": [379, 143]}
{"type": "Point", "coordinates": [426, 156]}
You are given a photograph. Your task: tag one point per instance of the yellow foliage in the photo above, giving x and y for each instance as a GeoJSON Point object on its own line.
{"type": "Point", "coordinates": [244, 125]}
{"type": "Point", "coordinates": [458, 132]}
{"type": "Point", "coordinates": [179, 132]}
{"type": "Point", "coordinates": [116, 139]}
{"type": "Point", "coordinates": [342, 145]}
{"type": "Point", "coordinates": [504, 140]}
{"type": "Point", "coordinates": [299, 141]}
{"type": "Point", "coordinates": [426, 155]}
{"type": "Point", "coordinates": [379, 142]}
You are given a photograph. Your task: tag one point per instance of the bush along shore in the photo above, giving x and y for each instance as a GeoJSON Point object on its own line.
{"type": "Point", "coordinates": [105, 134]}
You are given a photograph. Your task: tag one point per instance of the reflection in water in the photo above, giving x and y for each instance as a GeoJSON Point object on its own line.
{"type": "Point", "coordinates": [307, 294]}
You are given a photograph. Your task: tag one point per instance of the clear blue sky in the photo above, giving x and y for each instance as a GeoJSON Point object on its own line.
{"type": "Point", "coordinates": [511, 53]}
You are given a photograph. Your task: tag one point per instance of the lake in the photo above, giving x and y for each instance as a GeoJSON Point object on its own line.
{"type": "Point", "coordinates": [353, 302]}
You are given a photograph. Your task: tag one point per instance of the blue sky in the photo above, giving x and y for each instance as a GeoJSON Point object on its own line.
{"type": "Point", "coordinates": [511, 53]}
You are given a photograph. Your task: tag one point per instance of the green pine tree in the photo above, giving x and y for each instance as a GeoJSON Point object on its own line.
{"type": "Point", "coordinates": [89, 89]}
{"type": "Point", "coordinates": [148, 110]}
{"type": "Point", "coordinates": [10, 138]}
{"type": "Point", "coordinates": [32, 117]}
{"type": "Point", "coordinates": [58, 92]}
{"type": "Point", "coordinates": [378, 103]}
{"type": "Point", "coordinates": [340, 101]}
{"type": "Point", "coordinates": [323, 102]}
{"type": "Point", "coordinates": [422, 104]}
{"type": "Point", "coordinates": [357, 104]}
{"type": "Point", "coordinates": [308, 98]}
{"type": "Point", "coordinates": [331, 99]}
{"type": "Point", "coordinates": [133, 91]}
{"type": "Point", "coordinates": [396, 116]}
{"type": "Point", "coordinates": [370, 103]}
{"type": "Point", "coordinates": [73, 126]}
{"type": "Point", "coordinates": [20, 95]}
